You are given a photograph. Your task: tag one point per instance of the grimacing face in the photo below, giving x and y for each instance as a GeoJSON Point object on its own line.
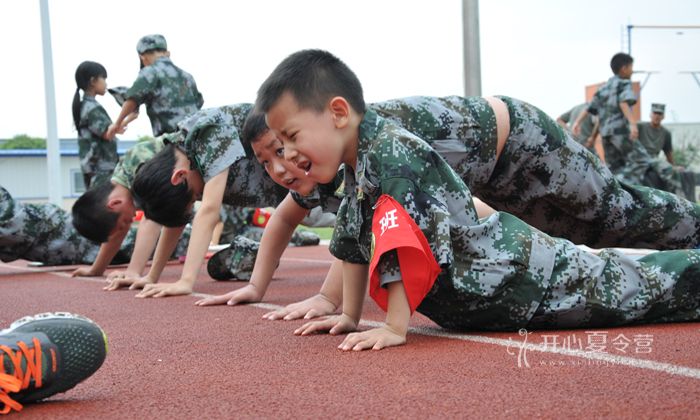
{"type": "Point", "coordinates": [310, 138]}
{"type": "Point", "coordinates": [269, 151]}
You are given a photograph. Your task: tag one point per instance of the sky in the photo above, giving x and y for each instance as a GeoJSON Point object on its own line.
{"type": "Point", "coordinates": [541, 51]}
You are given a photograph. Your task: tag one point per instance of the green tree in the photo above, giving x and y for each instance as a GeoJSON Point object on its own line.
{"type": "Point", "coordinates": [23, 141]}
{"type": "Point", "coordinates": [686, 149]}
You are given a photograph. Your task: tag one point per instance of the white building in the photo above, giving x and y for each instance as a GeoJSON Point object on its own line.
{"type": "Point", "coordinates": [23, 172]}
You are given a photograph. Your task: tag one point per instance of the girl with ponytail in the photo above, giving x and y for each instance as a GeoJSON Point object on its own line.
{"type": "Point", "coordinates": [97, 150]}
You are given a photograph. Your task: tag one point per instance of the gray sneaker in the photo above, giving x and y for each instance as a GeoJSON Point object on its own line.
{"type": "Point", "coordinates": [45, 354]}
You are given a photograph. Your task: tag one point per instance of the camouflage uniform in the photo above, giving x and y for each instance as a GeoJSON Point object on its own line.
{"type": "Point", "coordinates": [500, 273]}
{"type": "Point", "coordinates": [44, 233]}
{"type": "Point", "coordinates": [140, 153]}
{"type": "Point", "coordinates": [542, 176]}
{"type": "Point", "coordinates": [98, 157]}
{"type": "Point", "coordinates": [239, 221]}
{"type": "Point", "coordinates": [235, 262]}
{"type": "Point", "coordinates": [210, 139]}
{"type": "Point", "coordinates": [654, 141]}
{"type": "Point", "coordinates": [170, 94]}
{"type": "Point", "coordinates": [235, 220]}
{"type": "Point", "coordinates": [626, 158]}
{"type": "Point", "coordinates": [587, 124]}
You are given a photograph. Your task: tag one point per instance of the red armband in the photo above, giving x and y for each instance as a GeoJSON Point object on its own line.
{"type": "Point", "coordinates": [393, 228]}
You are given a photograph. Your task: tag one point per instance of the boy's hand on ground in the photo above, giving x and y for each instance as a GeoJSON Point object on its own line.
{"type": "Point", "coordinates": [85, 272]}
{"type": "Point", "coordinates": [246, 294]}
{"type": "Point", "coordinates": [375, 339]}
{"type": "Point", "coordinates": [333, 325]}
{"type": "Point", "coordinates": [133, 281]}
{"type": "Point", "coordinates": [165, 289]}
{"type": "Point", "coordinates": [312, 307]}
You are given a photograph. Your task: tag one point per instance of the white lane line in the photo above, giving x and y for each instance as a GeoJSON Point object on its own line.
{"type": "Point", "coordinates": [307, 260]}
{"type": "Point", "coordinates": [435, 332]}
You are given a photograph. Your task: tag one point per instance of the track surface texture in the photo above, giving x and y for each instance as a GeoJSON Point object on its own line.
{"type": "Point", "coordinates": [170, 359]}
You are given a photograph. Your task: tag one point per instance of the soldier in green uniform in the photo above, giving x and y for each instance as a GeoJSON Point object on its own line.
{"type": "Point", "coordinates": [170, 93]}
{"type": "Point", "coordinates": [97, 148]}
{"type": "Point", "coordinates": [496, 273]}
{"type": "Point", "coordinates": [656, 138]}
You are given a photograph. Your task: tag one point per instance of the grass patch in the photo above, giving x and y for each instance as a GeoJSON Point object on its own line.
{"type": "Point", "coordinates": [322, 232]}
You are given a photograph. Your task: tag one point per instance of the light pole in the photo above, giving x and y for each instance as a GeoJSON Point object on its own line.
{"type": "Point", "coordinates": [471, 49]}
{"type": "Point", "coordinates": [53, 153]}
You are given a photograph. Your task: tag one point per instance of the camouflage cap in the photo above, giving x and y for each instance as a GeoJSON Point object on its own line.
{"type": "Point", "coordinates": [658, 108]}
{"type": "Point", "coordinates": [151, 42]}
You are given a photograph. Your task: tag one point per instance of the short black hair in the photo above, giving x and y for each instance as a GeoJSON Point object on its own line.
{"type": "Point", "coordinates": [160, 200]}
{"type": "Point", "coordinates": [620, 60]}
{"type": "Point", "coordinates": [253, 128]}
{"type": "Point", "coordinates": [91, 217]}
{"type": "Point", "coordinates": [312, 77]}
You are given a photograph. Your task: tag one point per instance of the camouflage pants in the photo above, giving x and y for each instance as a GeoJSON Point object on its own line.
{"type": "Point", "coordinates": [553, 183]}
{"type": "Point", "coordinates": [632, 164]}
{"type": "Point", "coordinates": [235, 220]}
{"type": "Point", "coordinates": [660, 287]}
{"type": "Point", "coordinates": [506, 275]}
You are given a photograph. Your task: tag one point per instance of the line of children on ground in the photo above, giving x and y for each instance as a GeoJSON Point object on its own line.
{"type": "Point", "coordinates": [426, 156]}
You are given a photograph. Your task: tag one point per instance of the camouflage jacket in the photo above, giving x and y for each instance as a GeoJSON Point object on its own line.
{"type": "Point", "coordinates": [606, 105]}
{"type": "Point", "coordinates": [142, 152]}
{"type": "Point", "coordinates": [96, 153]}
{"type": "Point", "coordinates": [461, 130]}
{"type": "Point", "coordinates": [170, 94]}
{"type": "Point", "coordinates": [211, 140]}
{"type": "Point", "coordinates": [40, 232]}
{"type": "Point", "coordinates": [494, 272]}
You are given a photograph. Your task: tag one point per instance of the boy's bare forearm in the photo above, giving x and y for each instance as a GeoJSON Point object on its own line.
{"type": "Point", "coordinates": [107, 251]}
{"type": "Point", "coordinates": [398, 312]}
{"type": "Point", "coordinates": [354, 289]}
{"type": "Point", "coordinates": [203, 225]}
{"type": "Point", "coordinates": [146, 239]}
{"type": "Point", "coordinates": [274, 241]}
{"type": "Point", "coordinates": [332, 287]}
{"type": "Point", "coordinates": [627, 112]}
{"type": "Point", "coordinates": [166, 245]}
{"type": "Point", "coordinates": [127, 109]}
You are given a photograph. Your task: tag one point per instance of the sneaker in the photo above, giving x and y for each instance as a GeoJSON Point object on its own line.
{"type": "Point", "coordinates": [45, 354]}
{"type": "Point", "coordinates": [304, 238]}
{"type": "Point", "coordinates": [235, 262]}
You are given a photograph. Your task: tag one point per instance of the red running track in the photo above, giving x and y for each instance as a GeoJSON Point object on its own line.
{"type": "Point", "coordinates": [170, 359]}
